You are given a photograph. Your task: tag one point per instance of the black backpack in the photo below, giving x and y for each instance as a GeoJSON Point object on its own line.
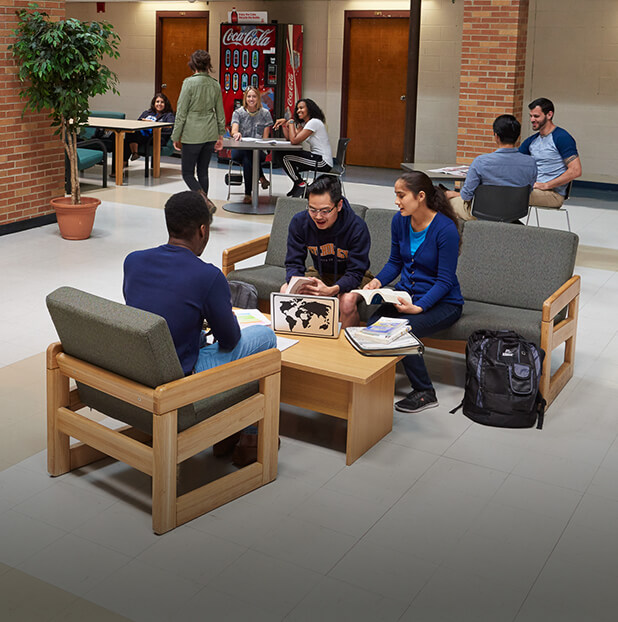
{"type": "Point", "coordinates": [503, 372]}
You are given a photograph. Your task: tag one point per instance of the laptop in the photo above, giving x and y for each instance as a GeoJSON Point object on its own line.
{"type": "Point", "coordinates": [302, 314]}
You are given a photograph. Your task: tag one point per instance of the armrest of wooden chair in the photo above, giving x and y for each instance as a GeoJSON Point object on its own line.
{"type": "Point", "coordinates": [160, 455]}
{"type": "Point", "coordinates": [555, 334]}
{"type": "Point", "coordinates": [243, 251]}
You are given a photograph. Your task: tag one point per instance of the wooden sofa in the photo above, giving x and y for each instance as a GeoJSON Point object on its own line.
{"type": "Point", "coordinates": [512, 277]}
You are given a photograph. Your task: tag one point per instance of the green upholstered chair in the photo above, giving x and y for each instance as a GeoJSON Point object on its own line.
{"type": "Point", "coordinates": [89, 153]}
{"type": "Point", "coordinates": [88, 132]}
{"type": "Point", "coordinates": [125, 366]}
{"type": "Point", "coordinates": [269, 276]}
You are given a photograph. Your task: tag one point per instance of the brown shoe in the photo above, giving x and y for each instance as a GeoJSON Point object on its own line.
{"type": "Point", "coordinates": [226, 446]}
{"type": "Point", "coordinates": [264, 183]}
{"type": "Point", "coordinates": [245, 452]}
{"type": "Point", "coordinates": [247, 199]}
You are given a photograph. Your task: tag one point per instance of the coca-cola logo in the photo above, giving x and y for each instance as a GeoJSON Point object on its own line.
{"type": "Point", "coordinates": [256, 37]}
{"type": "Point", "coordinates": [290, 90]}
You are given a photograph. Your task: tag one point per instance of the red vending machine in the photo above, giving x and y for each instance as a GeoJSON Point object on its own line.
{"type": "Point", "coordinates": [269, 56]}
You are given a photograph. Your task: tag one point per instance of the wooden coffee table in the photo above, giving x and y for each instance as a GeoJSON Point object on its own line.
{"type": "Point", "coordinates": [331, 377]}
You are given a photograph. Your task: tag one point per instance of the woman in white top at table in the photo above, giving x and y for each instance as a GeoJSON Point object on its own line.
{"type": "Point", "coordinates": [251, 120]}
{"type": "Point", "coordinates": [307, 125]}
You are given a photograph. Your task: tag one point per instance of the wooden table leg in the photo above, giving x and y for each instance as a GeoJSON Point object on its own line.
{"type": "Point", "coordinates": [156, 152]}
{"type": "Point", "coordinates": [119, 154]}
{"type": "Point", "coordinates": [370, 414]}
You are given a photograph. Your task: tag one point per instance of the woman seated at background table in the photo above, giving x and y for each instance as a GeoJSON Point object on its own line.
{"type": "Point", "coordinates": [251, 120]}
{"type": "Point", "coordinates": [160, 110]}
{"type": "Point", "coordinates": [306, 125]}
{"type": "Point", "coordinates": [424, 252]}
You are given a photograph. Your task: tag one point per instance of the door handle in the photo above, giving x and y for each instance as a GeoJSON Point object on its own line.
{"type": "Point", "coordinates": [403, 98]}
{"type": "Point", "coordinates": [164, 86]}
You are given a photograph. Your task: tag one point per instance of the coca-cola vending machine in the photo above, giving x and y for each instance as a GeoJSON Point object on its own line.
{"type": "Point", "coordinates": [268, 56]}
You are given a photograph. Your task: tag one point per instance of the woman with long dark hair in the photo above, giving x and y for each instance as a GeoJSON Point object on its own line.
{"type": "Point", "coordinates": [160, 110]}
{"type": "Point", "coordinates": [424, 253]}
{"type": "Point", "coordinates": [307, 124]}
{"type": "Point", "coordinates": [200, 124]}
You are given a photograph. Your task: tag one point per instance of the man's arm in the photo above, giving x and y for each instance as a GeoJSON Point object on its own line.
{"type": "Point", "coordinates": [219, 315]}
{"type": "Point", "coordinates": [296, 249]}
{"type": "Point", "coordinates": [574, 170]}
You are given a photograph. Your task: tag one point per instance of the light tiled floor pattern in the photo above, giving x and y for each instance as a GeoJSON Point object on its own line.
{"type": "Point", "coordinates": [443, 520]}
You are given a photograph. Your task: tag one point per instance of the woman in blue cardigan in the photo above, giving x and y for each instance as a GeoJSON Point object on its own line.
{"type": "Point", "coordinates": [424, 252]}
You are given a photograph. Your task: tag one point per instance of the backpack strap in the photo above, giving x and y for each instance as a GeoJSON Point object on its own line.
{"type": "Point", "coordinates": [540, 408]}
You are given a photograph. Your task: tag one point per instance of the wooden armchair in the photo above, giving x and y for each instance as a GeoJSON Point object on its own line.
{"type": "Point", "coordinates": [125, 366]}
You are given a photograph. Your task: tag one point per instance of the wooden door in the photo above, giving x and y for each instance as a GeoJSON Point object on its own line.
{"type": "Point", "coordinates": [179, 34]}
{"type": "Point", "coordinates": [374, 90]}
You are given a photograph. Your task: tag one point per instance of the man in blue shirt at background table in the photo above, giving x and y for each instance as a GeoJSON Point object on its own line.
{"type": "Point", "coordinates": [504, 167]}
{"type": "Point", "coordinates": [555, 153]}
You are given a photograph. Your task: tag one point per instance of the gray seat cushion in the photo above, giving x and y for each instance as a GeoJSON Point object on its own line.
{"type": "Point", "coordinates": [129, 342]}
{"type": "Point", "coordinates": [480, 315]}
{"type": "Point", "coordinates": [265, 278]}
{"type": "Point", "coordinates": [514, 266]}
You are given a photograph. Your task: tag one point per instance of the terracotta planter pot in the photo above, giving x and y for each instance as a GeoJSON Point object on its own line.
{"type": "Point", "coordinates": [75, 221]}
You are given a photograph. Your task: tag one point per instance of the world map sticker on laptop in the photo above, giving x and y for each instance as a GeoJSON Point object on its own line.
{"type": "Point", "coordinates": [298, 314]}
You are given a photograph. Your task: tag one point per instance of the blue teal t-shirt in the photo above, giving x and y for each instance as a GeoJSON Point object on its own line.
{"type": "Point", "coordinates": [416, 239]}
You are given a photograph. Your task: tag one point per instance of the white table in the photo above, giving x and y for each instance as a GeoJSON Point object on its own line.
{"type": "Point", "coordinates": [120, 127]}
{"type": "Point", "coordinates": [428, 167]}
{"type": "Point", "coordinates": [256, 145]}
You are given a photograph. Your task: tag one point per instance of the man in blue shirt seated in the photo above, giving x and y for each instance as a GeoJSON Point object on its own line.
{"type": "Point", "coordinates": [504, 167]}
{"type": "Point", "coordinates": [173, 282]}
{"type": "Point", "coordinates": [556, 156]}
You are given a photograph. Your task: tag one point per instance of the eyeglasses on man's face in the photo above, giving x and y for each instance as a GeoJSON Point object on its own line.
{"type": "Point", "coordinates": [320, 212]}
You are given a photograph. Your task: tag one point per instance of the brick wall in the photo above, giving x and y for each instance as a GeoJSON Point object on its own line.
{"type": "Point", "coordinates": [493, 62]}
{"type": "Point", "coordinates": [31, 157]}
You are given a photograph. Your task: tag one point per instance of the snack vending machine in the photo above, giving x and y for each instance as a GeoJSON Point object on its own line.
{"type": "Point", "coordinates": [268, 56]}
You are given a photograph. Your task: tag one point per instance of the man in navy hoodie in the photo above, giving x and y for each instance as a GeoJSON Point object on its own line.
{"type": "Point", "coordinates": [338, 241]}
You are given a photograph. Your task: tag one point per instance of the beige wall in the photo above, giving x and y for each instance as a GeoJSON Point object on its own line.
{"type": "Point", "coordinates": [572, 59]}
{"type": "Point", "coordinates": [323, 56]}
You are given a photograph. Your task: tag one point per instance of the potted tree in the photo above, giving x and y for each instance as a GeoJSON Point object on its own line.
{"type": "Point", "coordinates": [60, 64]}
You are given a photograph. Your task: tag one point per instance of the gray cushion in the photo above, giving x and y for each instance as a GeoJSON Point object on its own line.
{"type": "Point", "coordinates": [379, 225]}
{"type": "Point", "coordinates": [515, 266]}
{"type": "Point", "coordinates": [285, 210]}
{"type": "Point", "coordinates": [480, 315]}
{"type": "Point", "coordinates": [129, 342]}
{"type": "Point", "coordinates": [265, 278]}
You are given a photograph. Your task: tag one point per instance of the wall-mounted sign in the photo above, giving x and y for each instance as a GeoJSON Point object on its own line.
{"type": "Point", "coordinates": [247, 17]}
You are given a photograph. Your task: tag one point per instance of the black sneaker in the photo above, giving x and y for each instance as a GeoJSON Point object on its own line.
{"type": "Point", "coordinates": [416, 401]}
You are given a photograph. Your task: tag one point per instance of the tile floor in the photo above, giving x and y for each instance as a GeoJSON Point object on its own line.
{"type": "Point", "coordinates": [443, 520]}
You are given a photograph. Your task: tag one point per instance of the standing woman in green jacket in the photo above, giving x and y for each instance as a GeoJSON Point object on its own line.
{"type": "Point", "coordinates": [200, 123]}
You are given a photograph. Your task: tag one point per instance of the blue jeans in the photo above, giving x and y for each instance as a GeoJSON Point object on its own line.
{"type": "Point", "coordinates": [196, 157]}
{"type": "Point", "coordinates": [423, 324]}
{"type": "Point", "coordinates": [253, 339]}
{"type": "Point", "coordinates": [245, 158]}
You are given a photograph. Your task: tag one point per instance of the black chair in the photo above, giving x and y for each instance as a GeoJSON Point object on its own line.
{"type": "Point", "coordinates": [167, 149]}
{"type": "Point", "coordinates": [500, 203]}
{"type": "Point", "coordinates": [338, 168]}
{"type": "Point", "coordinates": [536, 208]}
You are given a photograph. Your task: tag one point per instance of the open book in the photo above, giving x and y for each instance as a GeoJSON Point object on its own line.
{"type": "Point", "coordinates": [296, 283]}
{"type": "Point", "coordinates": [383, 294]}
